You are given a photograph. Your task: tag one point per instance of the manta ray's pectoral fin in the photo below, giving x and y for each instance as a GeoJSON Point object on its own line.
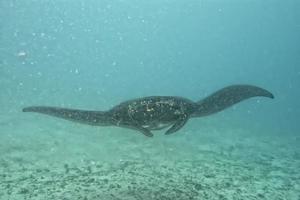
{"type": "Point", "coordinates": [178, 125]}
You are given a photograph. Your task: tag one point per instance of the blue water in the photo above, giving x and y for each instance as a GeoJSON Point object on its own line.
{"type": "Point", "coordinates": [96, 54]}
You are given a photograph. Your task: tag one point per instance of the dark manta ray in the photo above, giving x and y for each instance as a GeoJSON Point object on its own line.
{"type": "Point", "coordinates": [157, 112]}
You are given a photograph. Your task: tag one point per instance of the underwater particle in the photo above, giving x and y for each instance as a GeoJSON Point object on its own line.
{"type": "Point", "coordinates": [22, 54]}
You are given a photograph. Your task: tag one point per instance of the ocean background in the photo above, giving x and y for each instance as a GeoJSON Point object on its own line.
{"type": "Point", "coordinates": [94, 54]}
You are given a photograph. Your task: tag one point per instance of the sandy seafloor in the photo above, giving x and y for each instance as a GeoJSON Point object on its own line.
{"type": "Point", "coordinates": [46, 158]}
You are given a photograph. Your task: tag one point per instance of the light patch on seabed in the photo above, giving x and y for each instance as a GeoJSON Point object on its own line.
{"type": "Point", "coordinates": [53, 159]}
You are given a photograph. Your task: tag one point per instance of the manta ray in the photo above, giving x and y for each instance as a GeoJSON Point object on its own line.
{"type": "Point", "coordinates": [157, 112]}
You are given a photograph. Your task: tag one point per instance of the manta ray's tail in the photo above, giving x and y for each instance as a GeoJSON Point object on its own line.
{"type": "Point", "coordinates": [227, 97]}
{"type": "Point", "coordinates": [97, 118]}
